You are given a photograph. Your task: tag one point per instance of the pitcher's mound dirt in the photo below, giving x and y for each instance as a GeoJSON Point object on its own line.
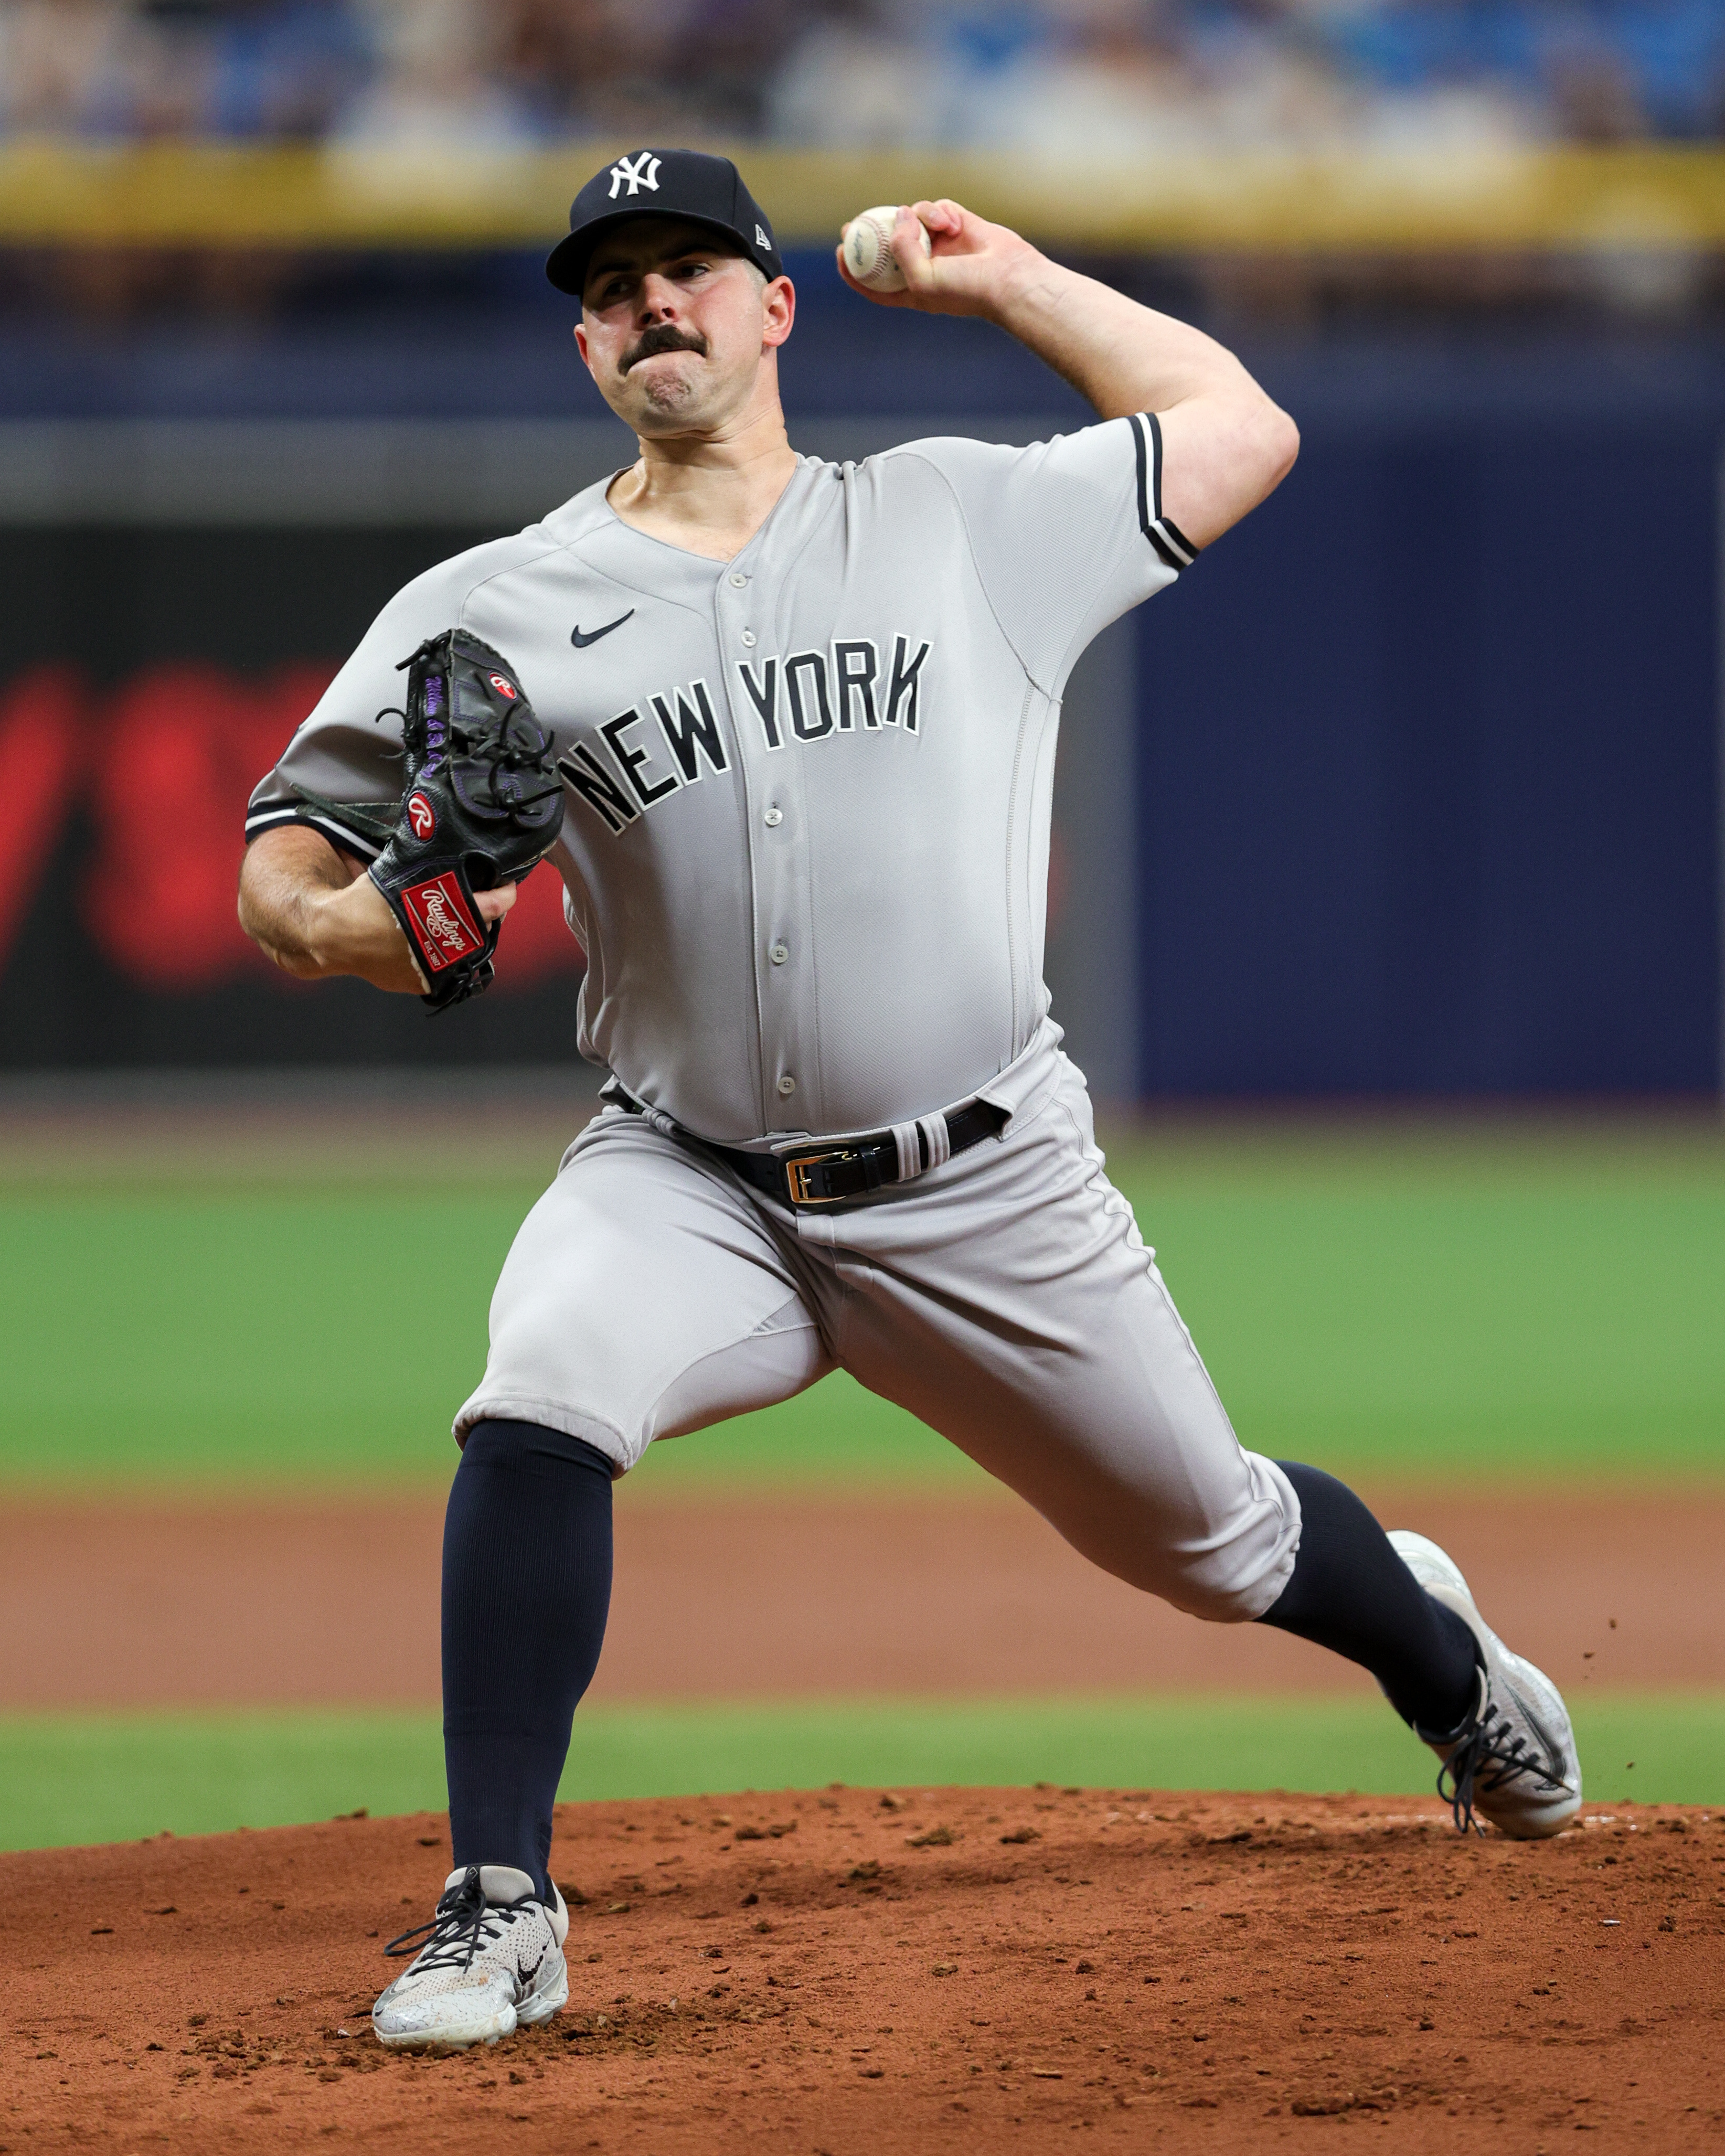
{"type": "Point", "coordinates": [852, 1972]}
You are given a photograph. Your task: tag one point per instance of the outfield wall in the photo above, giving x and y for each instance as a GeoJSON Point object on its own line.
{"type": "Point", "coordinates": [1429, 762]}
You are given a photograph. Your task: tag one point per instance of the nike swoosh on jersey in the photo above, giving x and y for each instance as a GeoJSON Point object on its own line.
{"type": "Point", "coordinates": [581, 639]}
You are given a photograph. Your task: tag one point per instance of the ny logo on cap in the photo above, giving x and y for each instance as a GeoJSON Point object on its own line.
{"type": "Point", "coordinates": [641, 171]}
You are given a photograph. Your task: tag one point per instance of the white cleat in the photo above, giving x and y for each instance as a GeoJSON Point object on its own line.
{"type": "Point", "coordinates": [1514, 1760]}
{"type": "Point", "coordinates": [493, 1964]}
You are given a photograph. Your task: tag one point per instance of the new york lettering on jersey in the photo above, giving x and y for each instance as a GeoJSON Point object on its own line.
{"type": "Point", "coordinates": [853, 685]}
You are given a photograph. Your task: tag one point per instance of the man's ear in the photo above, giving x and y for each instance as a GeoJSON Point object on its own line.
{"type": "Point", "coordinates": [581, 346]}
{"type": "Point", "coordinates": [779, 311]}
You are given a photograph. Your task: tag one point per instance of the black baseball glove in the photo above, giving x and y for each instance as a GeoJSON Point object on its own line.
{"type": "Point", "coordinates": [482, 805]}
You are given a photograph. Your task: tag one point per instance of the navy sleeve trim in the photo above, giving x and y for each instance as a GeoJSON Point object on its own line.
{"type": "Point", "coordinates": [348, 842]}
{"type": "Point", "coordinates": [1171, 544]}
{"type": "Point", "coordinates": [1179, 538]}
{"type": "Point", "coordinates": [1137, 425]}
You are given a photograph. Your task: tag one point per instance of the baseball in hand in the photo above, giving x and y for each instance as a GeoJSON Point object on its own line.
{"type": "Point", "coordinates": [867, 249]}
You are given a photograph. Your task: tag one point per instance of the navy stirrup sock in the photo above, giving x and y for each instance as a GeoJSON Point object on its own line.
{"type": "Point", "coordinates": [1351, 1593]}
{"type": "Point", "coordinates": [526, 1590]}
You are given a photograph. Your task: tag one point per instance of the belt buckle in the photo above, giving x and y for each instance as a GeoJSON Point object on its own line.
{"type": "Point", "coordinates": [796, 1174]}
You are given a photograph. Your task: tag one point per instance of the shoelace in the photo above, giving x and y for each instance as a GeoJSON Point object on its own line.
{"type": "Point", "coordinates": [463, 1923]}
{"type": "Point", "coordinates": [1487, 1746]}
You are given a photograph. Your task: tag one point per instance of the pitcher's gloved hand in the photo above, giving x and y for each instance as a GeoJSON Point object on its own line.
{"type": "Point", "coordinates": [481, 806]}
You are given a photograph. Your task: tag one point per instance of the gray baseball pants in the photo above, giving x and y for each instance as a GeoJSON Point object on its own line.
{"type": "Point", "coordinates": [1005, 1298]}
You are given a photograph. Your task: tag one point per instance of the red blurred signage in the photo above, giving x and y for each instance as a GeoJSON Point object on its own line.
{"type": "Point", "coordinates": [163, 768]}
{"type": "Point", "coordinates": [41, 719]}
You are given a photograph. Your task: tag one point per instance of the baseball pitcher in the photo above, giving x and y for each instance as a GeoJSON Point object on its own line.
{"type": "Point", "coordinates": [786, 731]}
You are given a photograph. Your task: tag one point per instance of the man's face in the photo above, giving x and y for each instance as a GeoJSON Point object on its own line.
{"type": "Point", "coordinates": [676, 327]}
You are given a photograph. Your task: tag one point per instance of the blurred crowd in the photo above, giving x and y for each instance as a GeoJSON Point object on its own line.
{"type": "Point", "coordinates": [1055, 77]}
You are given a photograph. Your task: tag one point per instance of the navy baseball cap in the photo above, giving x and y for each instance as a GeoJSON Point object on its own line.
{"type": "Point", "coordinates": [687, 184]}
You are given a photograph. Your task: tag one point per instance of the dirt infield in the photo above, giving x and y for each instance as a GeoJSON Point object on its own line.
{"type": "Point", "coordinates": [920, 1971]}
{"type": "Point", "coordinates": [183, 1604]}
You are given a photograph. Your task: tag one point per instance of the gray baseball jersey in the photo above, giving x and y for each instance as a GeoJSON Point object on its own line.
{"type": "Point", "coordinates": [807, 791]}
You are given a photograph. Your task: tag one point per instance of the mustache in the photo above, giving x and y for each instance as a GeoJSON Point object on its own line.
{"type": "Point", "coordinates": [664, 336]}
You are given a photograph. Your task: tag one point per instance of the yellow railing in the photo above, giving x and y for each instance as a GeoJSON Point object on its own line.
{"type": "Point", "coordinates": [213, 195]}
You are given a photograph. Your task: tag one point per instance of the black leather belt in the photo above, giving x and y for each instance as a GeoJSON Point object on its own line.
{"type": "Point", "coordinates": [826, 1175]}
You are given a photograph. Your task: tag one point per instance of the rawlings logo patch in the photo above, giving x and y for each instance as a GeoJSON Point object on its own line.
{"type": "Point", "coordinates": [446, 930]}
{"type": "Point", "coordinates": [503, 688]}
{"type": "Point", "coordinates": [421, 815]}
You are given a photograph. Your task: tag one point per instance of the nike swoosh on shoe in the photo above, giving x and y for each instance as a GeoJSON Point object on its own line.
{"type": "Point", "coordinates": [1551, 1764]}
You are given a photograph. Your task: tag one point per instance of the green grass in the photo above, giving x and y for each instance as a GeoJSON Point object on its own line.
{"type": "Point", "coordinates": [79, 1778]}
{"type": "Point", "coordinates": [1391, 1301]}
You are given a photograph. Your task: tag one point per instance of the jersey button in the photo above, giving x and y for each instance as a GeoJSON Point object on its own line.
{"type": "Point", "coordinates": [779, 953]}
{"type": "Point", "coordinates": [748, 638]}
{"type": "Point", "coordinates": [738, 578]}
{"type": "Point", "coordinates": [773, 819]}
{"type": "Point", "coordinates": [787, 1085]}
